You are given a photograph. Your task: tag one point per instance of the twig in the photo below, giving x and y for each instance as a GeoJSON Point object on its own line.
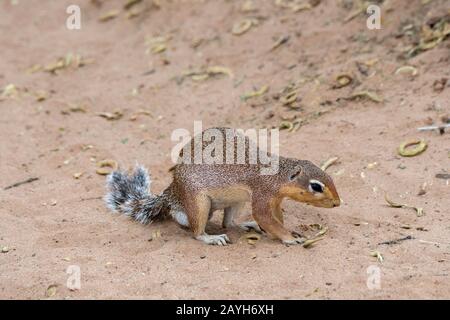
{"type": "Point", "coordinates": [444, 176]}
{"type": "Point", "coordinates": [328, 163]}
{"type": "Point", "coordinates": [17, 184]}
{"type": "Point", "coordinates": [397, 241]}
{"type": "Point", "coordinates": [429, 128]}
{"type": "Point", "coordinates": [430, 242]}
{"type": "Point", "coordinates": [91, 198]}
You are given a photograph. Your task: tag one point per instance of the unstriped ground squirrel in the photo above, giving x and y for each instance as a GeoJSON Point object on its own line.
{"type": "Point", "coordinates": [197, 190]}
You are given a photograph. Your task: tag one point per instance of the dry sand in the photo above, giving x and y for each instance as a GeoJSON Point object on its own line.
{"type": "Point", "coordinates": [58, 221]}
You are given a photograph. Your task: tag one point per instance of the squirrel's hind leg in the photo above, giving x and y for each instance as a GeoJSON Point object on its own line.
{"type": "Point", "coordinates": [198, 214]}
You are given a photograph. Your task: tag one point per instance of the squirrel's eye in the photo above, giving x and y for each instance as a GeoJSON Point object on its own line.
{"type": "Point", "coordinates": [316, 187]}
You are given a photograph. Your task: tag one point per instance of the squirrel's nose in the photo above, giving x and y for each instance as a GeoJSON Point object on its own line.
{"type": "Point", "coordinates": [336, 202]}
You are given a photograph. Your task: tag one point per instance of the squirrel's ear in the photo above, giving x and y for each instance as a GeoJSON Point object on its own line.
{"type": "Point", "coordinates": [294, 174]}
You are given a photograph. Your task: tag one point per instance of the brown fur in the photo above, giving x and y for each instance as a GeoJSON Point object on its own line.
{"type": "Point", "coordinates": [200, 189]}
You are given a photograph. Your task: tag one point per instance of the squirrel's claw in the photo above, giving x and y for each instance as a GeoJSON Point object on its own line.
{"type": "Point", "coordinates": [218, 240]}
{"type": "Point", "coordinates": [250, 225]}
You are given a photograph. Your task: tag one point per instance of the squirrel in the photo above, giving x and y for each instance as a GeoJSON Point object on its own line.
{"type": "Point", "coordinates": [198, 190]}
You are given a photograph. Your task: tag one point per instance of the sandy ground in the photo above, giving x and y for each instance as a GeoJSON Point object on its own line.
{"type": "Point", "coordinates": [58, 221]}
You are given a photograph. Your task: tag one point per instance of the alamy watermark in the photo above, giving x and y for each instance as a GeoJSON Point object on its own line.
{"type": "Point", "coordinates": [228, 146]}
{"type": "Point", "coordinates": [73, 21]}
{"type": "Point", "coordinates": [374, 20]}
{"type": "Point", "coordinates": [373, 278]}
{"type": "Point", "coordinates": [74, 280]}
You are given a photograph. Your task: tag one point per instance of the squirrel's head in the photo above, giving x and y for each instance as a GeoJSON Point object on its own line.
{"type": "Point", "coordinates": [309, 184]}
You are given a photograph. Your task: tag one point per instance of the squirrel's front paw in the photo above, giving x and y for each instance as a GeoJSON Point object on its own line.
{"type": "Point", "coordinates": [219, 240]}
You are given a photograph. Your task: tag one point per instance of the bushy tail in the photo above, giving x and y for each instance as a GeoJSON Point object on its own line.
{"type": "Point", "coordinates": [130, 195]}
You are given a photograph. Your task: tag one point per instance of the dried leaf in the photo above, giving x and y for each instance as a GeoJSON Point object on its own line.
{"type": "Point", "coordinates": [59, 64]}
{"type": "Point", "coordinates": [439, 85]}
{"type": "Point", "coordinates": [140, 112]}
{"type": "Point", "coordinates": [197, 42]}
{"type": "Point", "coordinates": [301, 7]}
{"type": "Point", "coordinates": [352, 15]}
{"type": "Point", "coordinates": [291, 126]}
{"type": "Point", "coordinates": [322, 230]}
{"type": "Point", "coordinates": [77, 175]}
{"type": "Point", "coordinates": [200, 77]}
{"type": "Point", "coordinates": [10, 91]}
{"type": "Point", "coordinates": [133, 13]}
{"type": "Point", "coordinates": [295, 6]}
{"type": "Point", "coordinates": [242, 27]}
{"type": "Point", "coordinates": [248, 6]}
{"type": "Point", "coordinates": [41, 95]}
{"type": "Point", "coordinates": [328, 163]}
{"type": "Point", "coordinates": [217, 70]}
{"type": "Point", "coordinates": [109, 15]}
{"type": "Point", "coordinates": [51, 290]}
{"type": "Point", "coordinates": [419, 211]}
{"type": "Point", "coordinates": [377, 255]}
{"type": "Point", "coordinates": [372, 165]}
{"type": "Point", "coordinates": [367, 94]}
{"type": "Point", "coordinates": [289, 98]}
{"type": "Point", "coordinates": [422, 189]}
{"type": "Point", "coordinates": [252, 238]}
{"type": "Point", "coordinates": [343, 80]}
{"type": "Point", "coordinates": [159, 48]}
{"type": "Point", "coordinates": [130, 3]}
{"type": "Point", "coordinates": [309, 242]}
{"type": "Point", "coordinates": [286, 125]}
{"type": "Point", "coordinates": [77, 108]}
{"type": "Point", "coordinates": [280, 41]}
{"type": "Point", "coordinates": [34, 68]}
{"type": "Point", "coordinates": [256, 93]}
{"type": "Point", "coordinates": [156, 45]}
{"type": "Point", "coordinates": [156, 234]}
{"type": "Point", "coordinates": [116, 115]}
{"type": "Point", "coordinates": [407, 69]}
{"type": "Point", "coordinates": [70, 60]}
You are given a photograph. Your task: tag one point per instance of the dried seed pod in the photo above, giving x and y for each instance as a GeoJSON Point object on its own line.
{"type": "Point", "coordinates": [252, 238]}
{"type": "Point", "coordinates": [420, 146]}
{"type": "Point", "coordinates": [419, 211]}
{"type": "Point", "coordinates": [256, 93]}
{"type": "Point", "coordinates": [328, 163]}
{"type": "Point", "coordinates": [289, 98]}
{"type": "Point", "coordinates": [216, 70]}
{"type": "Point", "coordinates": [367, 94]}
{"type": "Point", "coordinates": [105, 167]}
{"type": "Point", "coordinates": [343, 80]}
{"type": "Point", "coordinates": [407, 69]}
{"type": "Point", "coordinates": [109, 15]}
{"type": "Point", "coordinates": [377, 255]}
{"type": "Point", "coordinates": [242, 27]}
